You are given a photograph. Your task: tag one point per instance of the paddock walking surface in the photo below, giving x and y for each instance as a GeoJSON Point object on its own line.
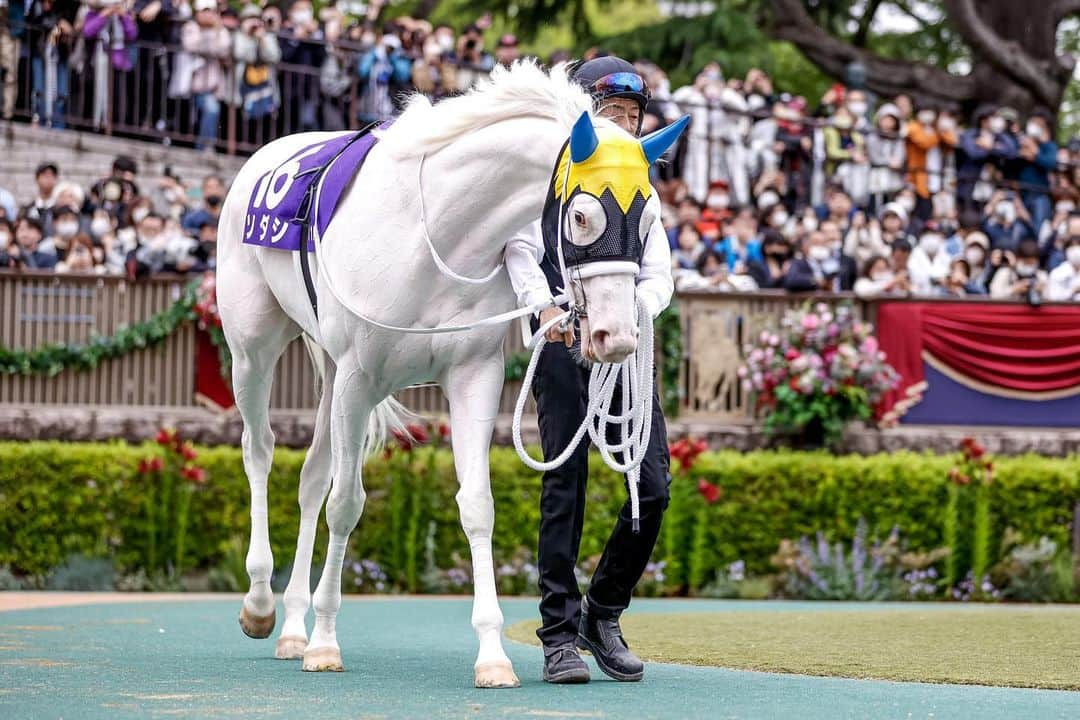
{"type": "Point", "coordinates": [408, 657]}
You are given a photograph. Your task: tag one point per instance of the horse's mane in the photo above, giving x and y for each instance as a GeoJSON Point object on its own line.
{"type": "Point", "coordinates": [523, 90]}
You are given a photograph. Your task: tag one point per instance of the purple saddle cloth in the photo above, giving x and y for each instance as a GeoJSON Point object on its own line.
{"type": "Point", "coordinates": [304, 189]}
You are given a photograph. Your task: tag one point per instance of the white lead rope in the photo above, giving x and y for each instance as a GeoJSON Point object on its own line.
{"type": "Point", "coordinates": [633, 425]}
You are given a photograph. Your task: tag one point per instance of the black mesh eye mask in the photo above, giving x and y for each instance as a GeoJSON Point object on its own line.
{"type": "Point", "coordinates": [621, 240]}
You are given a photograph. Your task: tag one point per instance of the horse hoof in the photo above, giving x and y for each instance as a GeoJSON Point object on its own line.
{"type": "Point", "coordinates": [324, 659]}
{"type": "Point", "coordinates": [290, 647]}
{"type": "Point", "coordinates": [496, 675]}
{"type": "Point", "coordinates": [255, 626]}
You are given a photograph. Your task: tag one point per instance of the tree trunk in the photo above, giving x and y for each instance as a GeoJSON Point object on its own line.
{"type": "Point", "coordinates": [1012, 43]}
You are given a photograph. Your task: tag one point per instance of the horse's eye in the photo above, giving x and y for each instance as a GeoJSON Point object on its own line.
{"type": "Point", "coordinates": [579, 218]}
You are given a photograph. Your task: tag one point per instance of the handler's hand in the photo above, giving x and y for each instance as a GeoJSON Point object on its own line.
{"type": "Point", "coordinates": [553, 334]}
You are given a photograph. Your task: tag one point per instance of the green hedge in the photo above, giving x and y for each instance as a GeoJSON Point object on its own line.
{"type": "Point", "coordinates": [60, 499]}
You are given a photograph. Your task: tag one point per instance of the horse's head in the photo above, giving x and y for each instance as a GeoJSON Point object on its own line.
{"type": "Point", "coordinates": [599, 210]}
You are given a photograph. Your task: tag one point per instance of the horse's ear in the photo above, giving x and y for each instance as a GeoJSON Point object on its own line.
{"type": "Point", "coordinates": [583, 140]}
{"type": "Point", "coordinates": [654, 144]}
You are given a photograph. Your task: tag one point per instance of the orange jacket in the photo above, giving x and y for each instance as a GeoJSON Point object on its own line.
{"type": "Point", "coordinates": [920, 141]}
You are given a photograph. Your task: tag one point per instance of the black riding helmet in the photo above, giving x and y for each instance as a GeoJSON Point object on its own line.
{"type": "Point", "coordinates": [612, 77]}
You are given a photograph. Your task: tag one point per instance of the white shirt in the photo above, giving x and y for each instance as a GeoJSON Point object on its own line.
{"type": "Point", "coordinates": [526, 249]}
{"type": "Point", "coordinates": [1064, 284]}
{"type": "Point", "coordinates": [924, 270]}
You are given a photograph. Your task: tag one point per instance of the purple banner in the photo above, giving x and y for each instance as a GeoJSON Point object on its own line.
{"type": "Point", "coordinates": [272, 217]}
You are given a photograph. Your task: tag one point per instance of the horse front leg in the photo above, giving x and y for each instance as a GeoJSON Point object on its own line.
{"type": "Point", "coordinates": [473, 391]}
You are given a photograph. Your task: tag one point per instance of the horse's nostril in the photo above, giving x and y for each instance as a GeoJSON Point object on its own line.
{"type": "Point", "coordinates": [599, 337]}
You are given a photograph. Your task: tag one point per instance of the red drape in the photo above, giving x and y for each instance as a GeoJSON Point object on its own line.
{"type": "Point", "coordinates": [1017, 349]}
{"type": "Point", "coordinates": [210, 387]}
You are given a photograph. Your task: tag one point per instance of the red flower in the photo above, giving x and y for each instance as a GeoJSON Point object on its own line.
{"type": "Point", "coordinates": [710, 492]}
{"type": "Point", "coordinates": [156, 464]}
{"type": "Point", "coordinates": [188, 452]}
{"type": "Point", "coordinates": [195, 474]}
{"type": "Point", "coordinates": [404, 440]}
{"type": "Point", "coordinates": [792, 354]}
{"type": "Point", "coordinates": [165, 436]}
{"type": "Point", "coordinates": [977, 450]}
{"type": "Point", "coordinates": [144, 466]}
{"type": "Point", "coordinates": [418, 432]}
{"type": "Point", "coordinates": [444, 431]}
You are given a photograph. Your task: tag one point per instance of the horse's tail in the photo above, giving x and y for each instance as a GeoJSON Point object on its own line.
{"type": "Point", "coordinates": [389, 415]}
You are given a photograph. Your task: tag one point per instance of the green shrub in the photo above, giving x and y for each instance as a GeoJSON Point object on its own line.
{"type": "Point", "coordinates": [58, 500]}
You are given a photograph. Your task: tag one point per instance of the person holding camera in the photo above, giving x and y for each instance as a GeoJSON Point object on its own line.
{"type": "Point", "coordinates": [819, 268]}
{"type": "Point", "coordinates": [213, 194]}
{"type": "Point", "coordinates": [1007, 221]}
{"type": "Point", "coordinates": [1022, 279]}
{"type": "Point", "coordinates": [1063, 284]}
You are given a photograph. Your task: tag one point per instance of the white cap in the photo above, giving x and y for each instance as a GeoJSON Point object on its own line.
{"type": "Point", "coordinates": [201, 5]}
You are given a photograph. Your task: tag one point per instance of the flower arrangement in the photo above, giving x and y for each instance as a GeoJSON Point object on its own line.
{"type": "Point", "coordinates": [968, 524]}
{"type": "Point", "coordinates": [819, 370]}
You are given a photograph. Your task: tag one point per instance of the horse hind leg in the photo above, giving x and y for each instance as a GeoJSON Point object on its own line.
{"type": "Point", "coordinates": [256, 345]}
{"type": "Point", "coordinates": [314, 485]}
{"type": "Point", "coordinates": [352, 403]}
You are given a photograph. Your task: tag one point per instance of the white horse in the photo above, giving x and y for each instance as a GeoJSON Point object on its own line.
{"type": "Point", "coordinates": [462, 175]}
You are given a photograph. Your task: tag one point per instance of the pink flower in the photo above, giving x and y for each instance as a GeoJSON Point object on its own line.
{"type": "Point", "coordinates": [810, 321]}
{"type": "Point", "coordinates": [869, 346]}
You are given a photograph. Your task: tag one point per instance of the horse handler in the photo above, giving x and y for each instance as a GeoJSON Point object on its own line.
{"type": "Point", "coordinates": [560, 388]}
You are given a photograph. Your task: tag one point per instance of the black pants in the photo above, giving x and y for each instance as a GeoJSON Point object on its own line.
{"type": "Point", "coordinates": [560, 387]}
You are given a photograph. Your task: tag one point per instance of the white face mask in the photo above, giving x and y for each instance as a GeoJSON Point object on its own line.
{"type": "Point", "coordinates": [100, 226]}
{"type": "Point", "coordinates": [1065, 206]}
{"type": "Point", "coordinates": [718, 200]}
{"type": "Point", "coordinates": [997, 125]}
{"type": "Point", "coordinates": [1025, 270]}
{"type": "Point", "coordinates": [974, 256]}
{"type": "Point", "coordinates": [138, 215]}
{"type": "Point", "coordinates": [810, 223]}
{"type": "Point", "coordinates": [1006, 211]}
{"type": "Point", "coordinates": [930, 244]}
{"type": "Point", "coordinates": [779, 218]}
{"type": "Point", "coordinates": [767, 198]}
{"type": "Point", "coordinates": [1034, 130]}
{"type": "Point", "coordinates": [907, 202]}
{"type": "Point", "coordinates": [1072, 254]}
{"type": "Point", "coordinates": [926, 117]}
{"type": "Point", "coordinates": [819, 253]}
{"type": "Point", "coordinates": [302, 17]}
{"type": "Point", "coordinates": [946, 124]}
{"type": "Point", "coordinates": [4, 239]}
{"type": "Point", "coordinates": [857, 108]}
{"type": "Point", "coordinates": [67, 229]}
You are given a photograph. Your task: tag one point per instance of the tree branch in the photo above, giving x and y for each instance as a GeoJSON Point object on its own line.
{"type": "Point", "coordinates": [1065, 8]}
{"type": "Point", "coordinates": [1007, 56]}
{"type": "Point", "coordinates": [859, 39]}
{"type": "Point", "coordinates": [884, 76]}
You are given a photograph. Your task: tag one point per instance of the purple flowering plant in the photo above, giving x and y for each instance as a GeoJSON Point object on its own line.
{"type": "Point", "coordinates": [821, 367]}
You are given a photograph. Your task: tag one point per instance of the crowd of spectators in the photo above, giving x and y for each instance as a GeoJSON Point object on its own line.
{"type": "Point", "coordinates": [121, 225]}
{"type": "Point", "coordinates": [880, 196]}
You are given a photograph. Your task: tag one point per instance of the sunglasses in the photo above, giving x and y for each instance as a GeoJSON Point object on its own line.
{"type": "Point", "coordinates": [620, 82]}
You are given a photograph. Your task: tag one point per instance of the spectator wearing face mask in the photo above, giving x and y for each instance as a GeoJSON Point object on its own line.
{"type": "Point", "coordinates": [984, 147]}
{"type": "Point", "coordinates": [255, 53]}
{"type": "Point", "coordinates": [687, 211]}
{"type": "Point", "coordinates": [110, 29]}
{"type": "Point", "coordinates": [169, 196]}
{"type": "Point", "coordinates": [864, 240]}
{"type": "Point", "coordinates": [1022, 279]}
{"type": "Point", "coordinates": [213, 193]}
{"type": "Point", "coordinates": [1037, 158]}
{"type": "Point", "coordinates": [741, 245]}
{"type": "Point", "coordinates": [773, 268]}
{"type": "Point", "coordinates": [65, 226]}
{"type": "Point", "coordinates": [689, 247]}
{"type": "Point", "coordinates": [301, 43]}
{"type": "Point", "coordinates": [894, 223]}
{"type": "Point", "coordinates": [976, 252]}
{"type": "Point", "coordinates": [205, 252]}
{"type": "Point", "coordinates": [717, 205]}
{"type": "Point", "coordinates": [834, 237]}
{"type": "Point", "coordinates": [206, 39]}
{"type": "Point", "coordinates": [1063, 284]}
{"type": "Point", "coordinates": [1053, 232]}
{"type": "Point", "coordinates": [838, 206]}
{"type": "Point", "coordinates": [82, 257]}
{"type": "Point", "coordinates": [958, 282]}
{"type": "Point", "coordinates": [27, 251]}
{"type": "Point", "coordinates": [845, 156]}
{"type": "Point", "coordinates": [383, 70]}
{"type": "Point", "coordinates": [929, 264]}
{"type": "Point", "coordinates": [924, 138]}
{"type": "Point", "coordinates": [711, 273]}
{"type": "Point", "coordinates": [819, 268]}
{"type": "Point", "coordinates": [887, 153]}
{"type": "Point", "coordinates": [1007, 222]}
{"type": "Point", "coordinates": [878, 278]}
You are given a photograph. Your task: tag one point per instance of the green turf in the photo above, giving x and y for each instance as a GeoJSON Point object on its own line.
{"type": "Point", "coordinates": [1012, 646]}
{"type": "Point", "coordinates": [412, 658]}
